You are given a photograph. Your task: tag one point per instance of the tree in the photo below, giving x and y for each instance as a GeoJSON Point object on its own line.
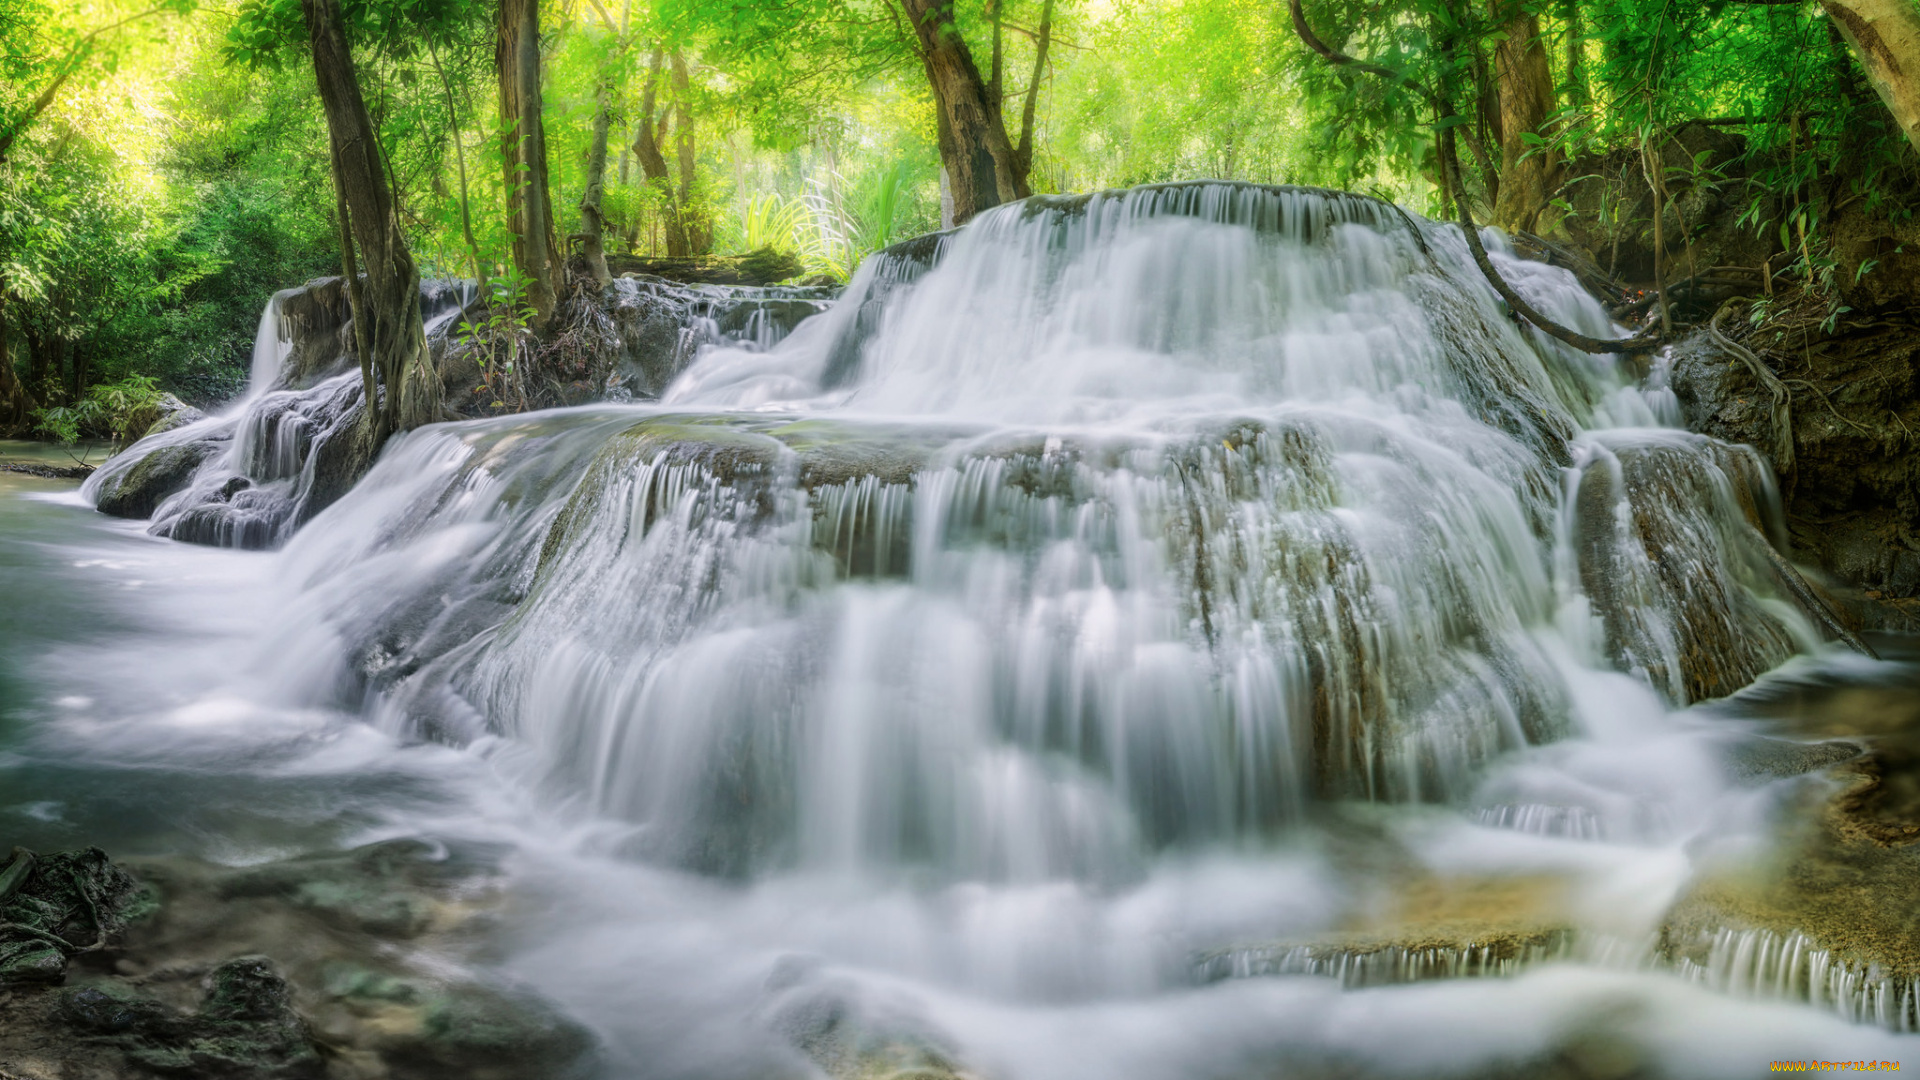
{"type": "Point", "coordinates": [1885, 38]}
{"type": "Point", "coordinates": [16, 404]}
{"type": "Point", "coordinates": [523, 152]}
{"type": "Point", "coordinates": [607, 86]}
{"type": "Point", "coordinates": [984, 166]}
{"type": "Point", "coordinates": [1528, 166]}
{"type": "Point", "coordinates": [388, 317]}
{"type": "Point", "coordinates": [65, 68]}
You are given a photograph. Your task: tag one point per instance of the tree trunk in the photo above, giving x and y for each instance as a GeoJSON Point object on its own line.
{"type": "Point", "coordinates": [76, 371]}
{"type": "Point", "coordinates": [536, 250]}
{"type": "Point", "coordinates": [653, 163]}
{"type": "Point", "coordinates": [1577, 92]}
{"type": "Point", "coordinates": [391, 308]}
{"type": "Point", "coordinates": [40, 366]}
{"type": "Point", "coordinates": [593, 224]}
{"type": "Point", "coordinates": [460, 159]}
{"type": "Point", "coordinates": [694, 227]}
{"type": "Point", "coordinates": [1885, 38]}
{"type": "Point", "coordinates": [978, 156]}
{"type": "Point", "coordinates": [1023, 151]}
{"type": "Point", "coordinates": [1526, 100]}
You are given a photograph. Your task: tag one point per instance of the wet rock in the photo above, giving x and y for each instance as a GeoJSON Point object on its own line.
{"type": "Point", "coordinates": [291, 969]}
{"type": "Point", "coordinates": [1674, 555]}
{"type": "Point", "coordinates": [1762, 759]}
{"type": "Point", "coordinates": [165, 414]}
{"type": "Point", "coordinates": [479, 1033]}
{"type": "Point", "coordinates": [138, 491]}
{"type": "Point", "coordinates": [378, 889]}
{"type": "Point", "coordinates": [849, 1032]}
{"type": "Point", "coordinates": [58, 905]}
{"type": "Point", "coordinates": [1853, 496]}
{"type": "Point", "coordinates": [245, 1028]}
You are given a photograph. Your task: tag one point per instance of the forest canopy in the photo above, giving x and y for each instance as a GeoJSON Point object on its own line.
{"type": "Point", "coordinates": [166, 167]}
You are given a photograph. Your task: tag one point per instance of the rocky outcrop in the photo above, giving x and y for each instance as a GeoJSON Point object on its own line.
{"type": "Point", "coordinates": [285, 971]}
{"type": "Point", "coordinates": [1853, 490]}
{"type": "Point", "coordinates": [252, 478]}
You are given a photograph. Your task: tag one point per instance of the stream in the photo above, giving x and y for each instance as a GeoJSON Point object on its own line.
{"type": "Point", "coordinates": [1185, 634]}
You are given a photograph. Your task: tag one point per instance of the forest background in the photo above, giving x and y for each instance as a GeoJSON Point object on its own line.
{"type": "Point", "coordinates": [164, 169]}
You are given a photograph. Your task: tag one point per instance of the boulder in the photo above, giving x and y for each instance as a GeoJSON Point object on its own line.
{"type": "Point", "coordinates": [136, 492]}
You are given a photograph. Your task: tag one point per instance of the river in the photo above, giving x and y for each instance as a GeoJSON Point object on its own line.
{"type": "Point", "coordinates": [983, 763]}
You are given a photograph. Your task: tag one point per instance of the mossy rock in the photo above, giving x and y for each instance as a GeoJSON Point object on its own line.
{"type": "Point", "coordinates": [136, 492]}
{"type": "Point", "coordinates": [245, 1028]}
{"type": "Point", "coordinates": [59, 904]}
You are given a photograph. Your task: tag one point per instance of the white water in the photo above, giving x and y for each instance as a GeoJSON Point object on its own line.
{"type": "Point", "coordinates": [1180, 564]}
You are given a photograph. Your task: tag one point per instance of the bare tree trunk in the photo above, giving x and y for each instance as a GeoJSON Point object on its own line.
{"type": "Point", "coordinates": [40, 364]}
{"type": "Point", "coordinates": [1526, 100]}
{"type": "Point", "coordinates": [693, 225]}
{"type": "Point", "coordinates": [76, 371]}
{"type": "Point", "coordinates": [978, 156]}
{"type": "Point", "coordinates": [536, 250]}
{"type": "Point", "coordinates": [1885, 38]}
{"type": "Point", "coordinates": [1023, 152]}
{"type": "Point", "coordinates": [396, 339]}
{"type": "Point", "coordinates": [1577, 91]}
{"type": "Point", "coordinates": [460, 160]}
{"type": "Point", "coordinates": [593, 224]}
{"type": "Point", "coordinates": [653, 163]}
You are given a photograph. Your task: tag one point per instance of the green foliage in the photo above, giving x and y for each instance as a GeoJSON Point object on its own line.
{"type": "Point", "coordinates": [120, 410]}
{"type": "Point", "coordinates": [182, 174]}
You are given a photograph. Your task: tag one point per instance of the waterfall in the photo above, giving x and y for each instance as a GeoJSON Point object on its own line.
{"type": "Point", "coordinates": [1101, 528]}
{"type": "Point", "coordinates": [1176, 633]}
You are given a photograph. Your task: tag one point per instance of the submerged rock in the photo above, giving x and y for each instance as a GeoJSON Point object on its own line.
{"type": "Point", "coordinates": [287, 970]}
{"type": "Point", "coordinates": [246, 1027]}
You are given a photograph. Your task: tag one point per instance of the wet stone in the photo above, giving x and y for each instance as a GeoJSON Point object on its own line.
{"type": "Point", "coordinates": [245, 1027]}
{"type": "Point", "coordinates": [138, 491]}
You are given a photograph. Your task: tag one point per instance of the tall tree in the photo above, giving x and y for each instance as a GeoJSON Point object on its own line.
{"type": "Point", "coordinates": [606, 87]}
{"type": "Point", "coordinates": [1527, 169]}
{"type": "Point", "coordinates": [390, 308]}
{"type": "Point", "coordinates": [16, 405]}
{"type": "Point", "coordinates": [1885, 38]}
{"type": "Point", "coordinates": [696, 230]}
{"type": "Point", "coordinates": [974, 146]}
{"type": "Point", "coordinates": [523, 150]}
{"type": "Point", "coordinates": [647, 136]}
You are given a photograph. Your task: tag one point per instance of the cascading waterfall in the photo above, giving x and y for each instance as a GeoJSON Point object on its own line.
{"type": "Point", "coordinates": [1018, 628]}
{"type": "Point", "coordinates": [1124, 523]}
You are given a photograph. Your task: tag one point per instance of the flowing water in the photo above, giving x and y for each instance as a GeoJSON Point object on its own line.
{"type": "Point", "coordinates": [1178, 634]}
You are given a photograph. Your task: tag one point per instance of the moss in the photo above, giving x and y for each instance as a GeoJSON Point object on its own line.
{"type": "Point", "coordinates": [136, 492]}
{"type": "Point", "coordinates": [245, 1028]}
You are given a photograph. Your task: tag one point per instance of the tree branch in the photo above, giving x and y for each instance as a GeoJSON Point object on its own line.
{"type": "Point", "coordinates": [1450, 176]}
{"type": "Point", "coordinates": [1450, 169]}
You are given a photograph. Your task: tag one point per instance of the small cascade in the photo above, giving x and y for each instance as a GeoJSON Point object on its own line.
{"type": "Point", "coordinates": [1359, 967]}
{"type": "Point", "coordinates": [1097, 610]}
{"type": "Point", "coordinates": [1790, 967]}
{"type": "Point", "coordinates": [252, 475]}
